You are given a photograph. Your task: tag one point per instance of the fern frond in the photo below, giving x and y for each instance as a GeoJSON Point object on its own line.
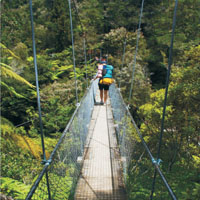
{"type": "Point", "coordinates": [19, 189]}
{"type": "Point", "coordinates": [11, 90]}
{"type": "Point", "coordinates": [7, 72]}
{"type": "Point", "coordinates": [6, 121]}
{"type": "Point", "coordinates": [28, 144]}
{"type": "Point", "coordinates": [55, 76]}
{"type": "Point", "coordinates": [23, 142]}
{"type": "Point", "coordinates": [64, 68]}
{"type": "Point", "coordinates": [61, 70]}
{"type": "Point", "coordinates": [5, 65]}
{"type": "Point", "coordinates": [6, 129]}
{"type": "Point", "coordinates": [9, 51]}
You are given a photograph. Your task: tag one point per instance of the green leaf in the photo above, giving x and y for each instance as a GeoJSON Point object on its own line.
{"type": "Point", "coordinates": [9, 51]}
{"type": "Point", "coordinates": [12, 90]}
{"type": "Point", "coordinates": [7, 72]}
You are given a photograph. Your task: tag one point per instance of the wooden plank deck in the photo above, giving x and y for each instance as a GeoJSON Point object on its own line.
{"type": "Point", "coordinates": [101, 175]}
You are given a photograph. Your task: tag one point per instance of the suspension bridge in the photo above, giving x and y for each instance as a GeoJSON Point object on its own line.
{"type": "Point", "coordinates": [92, 158]}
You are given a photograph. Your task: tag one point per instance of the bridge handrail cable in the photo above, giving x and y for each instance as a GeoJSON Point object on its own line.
{"type": "Point", "coordinates": [48, 162]}
{"type": "Point", "coordinates": [154, 162]}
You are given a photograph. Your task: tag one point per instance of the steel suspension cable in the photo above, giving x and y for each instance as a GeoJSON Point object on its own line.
{"type": "Point", "coordinates": [124, 52]}
{"type": "Point", "coordinates": [84, 39]}
{"type": "Point", "coordinates": [76, 10]}
{"type": "Point", "coordinates": [100, 54]}
{"type": "Point", "coordinates": [123, 58]}
{"type": "Point", "coordinates": [84, 46]}
{"type": "Point", "coordinates": [107, 55]}
{"type": "Point", "coordinates": [73, 52]}
{"type": "Point", "coordinates": [38, 94]}
{"type": "Point", "coordinates": [166, 93]}
{"type": "Point", "coordinates": [137, 44]}
{"type": "Point", "coordinates": [54, 155]}
{"type": "Point", "coordinates": [36, 78]}
{"type": "Point", "coordinates": [154, 162]}
{"type": "Point", "coordinates": [31, 120]}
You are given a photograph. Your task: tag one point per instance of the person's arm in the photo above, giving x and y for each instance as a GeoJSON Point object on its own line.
{"type": "Point", "coordinates": [95, 77]}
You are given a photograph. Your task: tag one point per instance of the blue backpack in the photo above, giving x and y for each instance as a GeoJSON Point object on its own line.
{"type": "Point", "coordinates": [107, 71]}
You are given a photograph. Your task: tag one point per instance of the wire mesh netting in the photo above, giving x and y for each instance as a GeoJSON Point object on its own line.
{"type": "Point", "coordinates": [64, 165]}
{"type": "Point", "coordinates": [122, 121]}
{"type": "Point", "coordinates": [136, 157]}
{"type": "Point", "coordinates": [59, 176]}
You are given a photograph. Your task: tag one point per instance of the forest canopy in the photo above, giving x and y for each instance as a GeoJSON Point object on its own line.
{"type": "Point", "coordinates": [105, 26]}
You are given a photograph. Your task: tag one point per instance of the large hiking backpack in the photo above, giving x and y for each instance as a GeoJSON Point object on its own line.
{"type": "Point", "coordinates": [107, 75]}
{"type": "Point", "coordinates": [107, 71]}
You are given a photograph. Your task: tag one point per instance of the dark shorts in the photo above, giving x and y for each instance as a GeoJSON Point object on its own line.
{"type": "Point", "coordinates": [103, 87]}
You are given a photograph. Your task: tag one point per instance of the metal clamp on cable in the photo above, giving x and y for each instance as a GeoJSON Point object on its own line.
{"type": "Point", "coordinates": [78, 104]}
{"type": "Point", "coordinates": [46, 162]}
{"type": "Point", "coordinates": [128, 107]}
{"type": "Point", "coordinates": [156, 161]}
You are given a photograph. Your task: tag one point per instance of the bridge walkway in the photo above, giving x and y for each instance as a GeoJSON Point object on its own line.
{"type": "Point", "coordinates": [101, 174]}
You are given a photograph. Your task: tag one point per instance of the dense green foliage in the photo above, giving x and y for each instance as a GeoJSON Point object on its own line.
{"type": "Point", "coordinates": [105, 25]}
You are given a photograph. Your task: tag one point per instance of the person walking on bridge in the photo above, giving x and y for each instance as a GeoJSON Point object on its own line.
{"type": "Point", "coordinates": [104, 73]}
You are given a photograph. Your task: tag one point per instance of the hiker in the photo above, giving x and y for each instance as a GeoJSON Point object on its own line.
{"type": "Point", "coordinates": [104, 73]}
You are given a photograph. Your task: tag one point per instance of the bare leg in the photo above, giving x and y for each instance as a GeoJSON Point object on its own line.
{"type": "Point", "coordinates": [105, 95]}
{"type": "Point", "coordinates": [101, 95]}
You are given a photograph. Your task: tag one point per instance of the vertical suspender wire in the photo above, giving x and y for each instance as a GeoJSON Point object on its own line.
{"type": "Point", "coordinates": [123, 58]}
{"type": "Point", "coordinates": [84, 46]}
{"type": "Point", "coordinates": [74, 63]}
{"type": "Point", "coordinates": [91, 54]}
{"type": "Point", "coordinates": [107, 56]}
{"type": "Point", "coordinates": [126, 114]}
{"type": "Point", "coordinates": [100, 54]}
{"type": "Point", "coordinates": [37, 83]}
{"type": "Point", "coordinates": [38, 94]}
{"type": "Point", "coordinates": [90, 57]}
{"type": "Point", "coordinates": [137, 42]}
{"type": "Point", "coordinates": [73, 52]}
{"type": "Point", "coordinates": [84, 40]}
{"type": "Point", "coordinates": [166, 92]}
{"type": "Point", "coordinates": [148, 151]}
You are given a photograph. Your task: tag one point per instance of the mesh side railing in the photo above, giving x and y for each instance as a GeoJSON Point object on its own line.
{"type": "Point", "coordinates": [63, 167]}
{"type": "Point", "coordinates": [136, 157]}
{"type": "Point", "coordinates": [121, 119]}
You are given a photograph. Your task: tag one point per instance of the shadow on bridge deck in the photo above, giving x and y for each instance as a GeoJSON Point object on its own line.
{"type": "Point", "coordinates": [101, 174]}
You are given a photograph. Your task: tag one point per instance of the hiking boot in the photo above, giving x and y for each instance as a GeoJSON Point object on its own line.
{"type": "Point", "coordinates": [101, 103]}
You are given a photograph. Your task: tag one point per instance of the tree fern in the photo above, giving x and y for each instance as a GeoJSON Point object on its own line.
{"type": "Point", "coordinates": [11, 90]}
{"type": "Point", "coordinates": [9, 51]}
{"type": "Point", "coordinates": [15, 136]}
{"type": "Point", "coordinates": [14, 188]}
{"type": "Point", "coordinates": [28, 144]}
{"type": "Point", "coordinates": [8, 73]}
